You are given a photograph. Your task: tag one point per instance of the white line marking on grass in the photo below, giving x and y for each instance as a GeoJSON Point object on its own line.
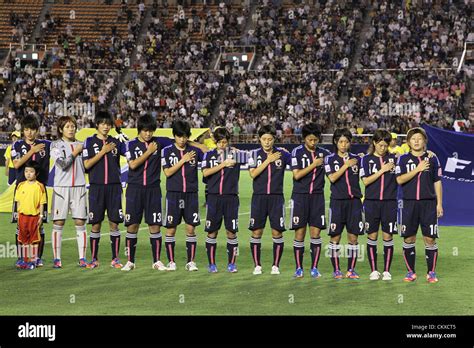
{"type": "Point", "coordinates": [140, 229]}
{"type": "Point", "coordinates": [143, 228]}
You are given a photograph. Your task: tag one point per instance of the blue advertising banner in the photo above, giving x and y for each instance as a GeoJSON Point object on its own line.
{"type": "Point", "coordinates": [456, 155]}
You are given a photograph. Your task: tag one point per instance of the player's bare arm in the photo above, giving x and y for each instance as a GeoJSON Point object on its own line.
{"type": "Point", "coordinates": [200, 146]}
{"type": "Point", "coordinates": [227, 163]}
{"type": "Point", "coordinates": [387, 166]}
{"type": "Point", "coordinates": [422, 166]}
{"type": "Point", "coordinates": [77, 150]}
{"type": "Point", "coordinates": [88, 164]}
{"type": "Point", "coordinates": [439, 198]}
{"type": "Point", "coordinates": [335, 176]}
{"type": "Point", "coordinates": [18, 163]}
{"type": "Point", "coordinates": [188, 156]}
{"type": "Point", "coordinates": [137, 162]}
{"type": "Point", "coordinates": [254, 172]}
{"type": "Point", "coordinates": [301, 173]}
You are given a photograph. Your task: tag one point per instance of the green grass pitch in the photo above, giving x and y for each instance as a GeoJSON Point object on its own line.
{"type": "Point", "coordinates": [107, 291]}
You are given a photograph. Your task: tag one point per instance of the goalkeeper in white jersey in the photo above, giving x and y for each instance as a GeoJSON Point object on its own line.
{"type": "Point", "coordinates": [69, 189]}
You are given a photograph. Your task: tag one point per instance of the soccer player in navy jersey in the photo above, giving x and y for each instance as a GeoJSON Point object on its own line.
{"type": "Point", "coordinates": [380, 200]}
{"type": "Point", "coordinates": [307, 200]}
{"type": "Point", "coordinates": [24, 150]}
{"type": "Point", "coordinates": [143, 195]}
{"type": "Point", "coordinates": [420, 178]}
{"type": "Point", "coordinates": [221, 170]}
{"type": "Point", "coordinates": [101, 156]}
{"type": "Point", "coordinates": [267, 169]}
{"type": "Point", "coordinates": [180, 165]}
{"type": "Point", "coordinates": [345, 207]}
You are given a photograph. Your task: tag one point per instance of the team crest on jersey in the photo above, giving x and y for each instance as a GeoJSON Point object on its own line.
{"type": "Point", "coordinates": [355, 168]}
{"type": "Point", "coordinates": [114, 151]}
{"type": "Point", "coordinates": [278, 163]}
{"type": "Point", "coordinates": [333, 227]}
{"type": "Point", "coordinates": [42, 153]}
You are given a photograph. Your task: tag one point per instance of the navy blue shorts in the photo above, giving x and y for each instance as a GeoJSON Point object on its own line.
{"type": "Point", "coordinates": [307, 209]}
{"type": "Point", "coordinates": [222, 206]}
{"type": "Point", "coordinates": [181, 205]}
{"type": "Point", "coordinates": [142, 199]}
{"type": "Point", "coordinates": [271, 206]}
{"type": "Point", "coordinates": [11, 175]}
{"type": "Point", "coordinates": [381, 213]}
{"type": "Point", "coordinates": [102, 198]}
{"type": "Point", "coordinates": [15, 209]}
{"type": "Point", "coordinates": [418, 213]}
{"type": "Point", "coordinates": [346, 213]}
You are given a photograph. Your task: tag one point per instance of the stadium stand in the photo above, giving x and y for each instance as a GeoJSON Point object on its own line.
{"type": "Point", "coordinates": [339, 63]}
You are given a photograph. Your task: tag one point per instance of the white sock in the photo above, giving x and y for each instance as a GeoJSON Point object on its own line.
{"type": "Point", "coordinates": [81, 237]}
{"type": "Point", "coordinates": [56, 240]}
{"type": "Point", "coordinates": [34, 253]}
{"type": "Point", "coordinates": [24, 252]}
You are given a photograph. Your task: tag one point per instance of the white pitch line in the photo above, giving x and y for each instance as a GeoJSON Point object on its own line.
{"type": "Point", "coordinates": [143, 228]}
{"type": "Point", "coordinates": [140, 229]}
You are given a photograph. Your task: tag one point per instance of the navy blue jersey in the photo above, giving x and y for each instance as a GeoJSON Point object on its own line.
{"type": "Point", "coordinates": [148, 173]}
{"type": "Point", "coordinates": [186, 178]}
{"type": "Point", "coordinates": [385, 187]}
{"type": "Point", "coordinates": [347, 186]}
{"type": "Point", "coordinates": [270, 181]}
{"type": "Point", "coordinates": [421, 185]}
{"type": "Point", "coordinates": [21, 148]}
{"type": "Point", "coordinates": [226, 180]}
{"type": "Point", "coordinates": [313, 182]}
{"type": "Point", "coordinates": [107, 170]}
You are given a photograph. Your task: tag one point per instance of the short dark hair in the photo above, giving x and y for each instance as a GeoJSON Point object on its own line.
{"type": "Point", "coordinates": [62, 122]}
{"type": "Point", "coordinates": [311, 128]}
{"type": "Point", "coordinates": [268, 129]}
{"type": "Point", "coordinates": [221, 133]}
{"type": "Point", "coordinates": [416, 130]}
{"type": "Point", "coordinates": [181, 128]}
{"type": "Point", "coordinates": [341, 132]}
{"type": "Point", "coordinates": [146, 122]}
{"type": "Point", "coordinates": [30, 122]}
{"type": "Point", "coordinates": [35, 165]}
{"type": "Point", "coordinates": [104, 117]}
{"type": "Point", "coordinates": [379, 135]}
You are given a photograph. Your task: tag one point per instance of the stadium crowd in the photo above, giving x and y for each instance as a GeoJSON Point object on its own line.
{"type": "Point", "coordinates": [301, 71]}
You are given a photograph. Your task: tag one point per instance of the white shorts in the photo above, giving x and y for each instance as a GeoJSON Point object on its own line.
{"type": "Point", "coordinates": [65, 198]}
